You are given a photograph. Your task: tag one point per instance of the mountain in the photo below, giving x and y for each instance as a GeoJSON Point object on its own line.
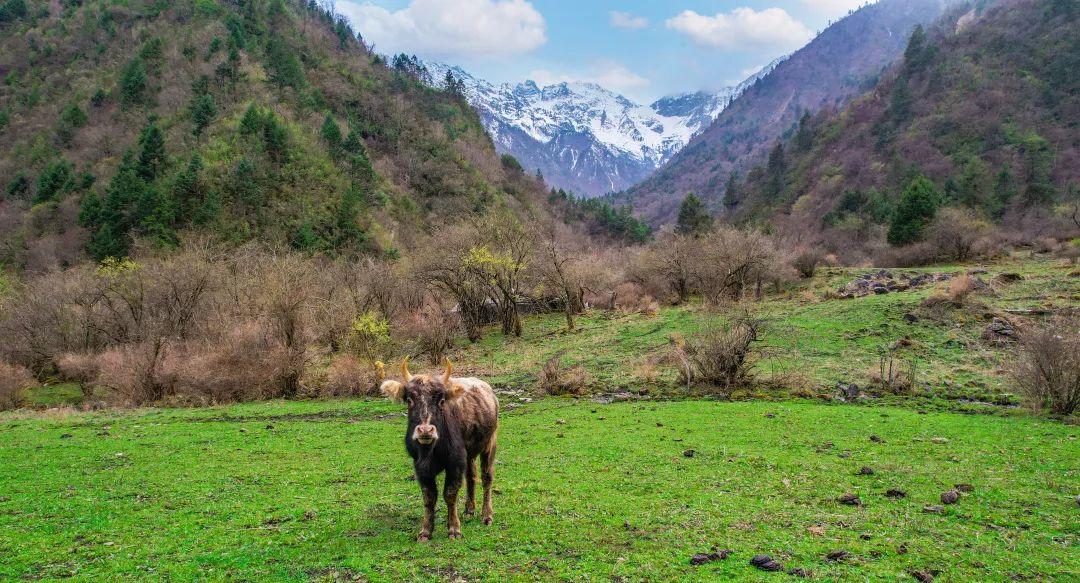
{"type": "Point", "coordinates": [985, 104]}
{"type": "Point", "coordinates": [841, 63]}
{"type": "Point", "coordinates": [582, 137]}
{"type": "Point", "coordinates": [142, 122]}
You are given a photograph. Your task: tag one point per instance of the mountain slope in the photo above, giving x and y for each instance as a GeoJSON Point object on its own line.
{"type": "Point", "coordinates": [842, 62]}
{"type": "Point", "coordinates": [582, 137]}
{"type": "Point", "coordinates": [133, 123]}
{"type": "Point", "coordinates": [987, 107]}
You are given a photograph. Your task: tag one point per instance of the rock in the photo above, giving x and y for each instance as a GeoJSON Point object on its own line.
{"type": "Point", "coordinates": [880, 290]}
{"type": "Point", "coordinates": [1078, 500]}
{"type": "Point", "coordinates": [702, 558]}
{"type": "Point", "coordinates": [950, 497]}
{"type": "Point", "coordinates": [242, 430]}
{"type": "Point", "coordinates": [910, 318]}
{"type": "Point", "coordinates": [1000, 330]}
{"type": "Point", "coordinates": [770, 415]}
{"type": "Point", "coordinates": [847, 391]}
{"type": "Point", "coordinates": [837, 556]}
{"type": "Point", "coordinates": [965, 488]}
{"type": "Point", "coordinates": [269, 426]}
{"type": "Point", "coordinates": [866, 471]}
{"type": "Point", "coordinates": [689, 453]}
{"type": "Point", "coordinates": [865, 536]}
{"type": "Point", "coordinates": [1010, 277]}
{"type": "Point", "coordinates": [895, 493]}
{"type": "Point", "coordinates": [934, 509]}
{"type": "Point", "coordinates": [902, 549]}
{"type": "Point", "coordinates": [766, 563]}
{"type": "Point", "coordinates": [560, 422]}
{"type": "Point", "coordinates": [876, 439]}
{"type": "Point", "coordinates": [816, 530]}
{"type": "Point", "coordinates": [850, 500]}
{"type": "Point", "coordinates": [940, 440]}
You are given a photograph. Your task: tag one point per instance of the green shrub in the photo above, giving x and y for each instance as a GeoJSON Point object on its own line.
{"type": "Point", "coordinates": [54, 181]}
{"type": "Point", "coordinates": [133, 82]}
{"type": "Point", "coordinates": [917, 207]}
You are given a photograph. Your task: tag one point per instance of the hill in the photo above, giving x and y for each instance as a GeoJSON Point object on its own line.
{"type": "Point", "coordinates": [841, 63]}
{"type": "Point", "coordinates": [988, 109]}
{"type": "Point", "coordinates": [132, 123]}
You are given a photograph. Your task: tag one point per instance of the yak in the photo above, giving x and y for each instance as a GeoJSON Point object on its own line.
{"type": "Point", "coordinates": [452, 421]}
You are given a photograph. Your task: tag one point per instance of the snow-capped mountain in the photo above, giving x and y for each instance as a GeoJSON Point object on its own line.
{"type": "Point", "coordinates": [583, 137]}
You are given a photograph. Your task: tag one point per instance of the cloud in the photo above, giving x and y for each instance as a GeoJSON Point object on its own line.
{"type": "Point", "coordinates": [451, 28]}
{"type": "Point", "coordinates": [743, 28]}
{"type": "Point", "coordinates": [605, 73]}
{"type": "Point", "coordinates": [835, 7]}
{"type": "Point", "coordinates": [628, 21]}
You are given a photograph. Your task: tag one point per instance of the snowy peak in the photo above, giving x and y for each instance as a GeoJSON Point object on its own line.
{"type": "Point", "coordinates": [584, 137]}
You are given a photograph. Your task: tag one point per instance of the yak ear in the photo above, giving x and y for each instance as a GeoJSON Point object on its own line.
{"type": "Point", "coordinates": [393, 390]}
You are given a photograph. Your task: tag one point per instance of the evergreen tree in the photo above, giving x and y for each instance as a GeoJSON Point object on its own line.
{"type": "Point", "coordinates": [331, 134]}
{"type": "Point", "coordinates": [1039, 159]}
{"type": "Point", "coordinates": [203, 111]}
{"type": "Point", "coordinates": [252, 121]}
{"type": "Point", "coordinates": [90, 211]}
{"type": "Point", "coordinates": [1004, 192]}
{"type": "Point", "coordinates": [732, 196]}
{"type": "Point", "coordinates": [305, 239]}
{"type": "Point", "coordinates": [187, 189]}
{"type": "Point", "coordinates": [917, 54]}
{"type": "Point", "coordinates": [276, 139]}
{"type": "Point", "coordinates": [693, 219]}
{"type": "Point", "coordinates": [973, 184]}
{"type": "Point", "coordinates": [115, 219]}
{"type": "Point", "coordinates": [152, 157]}
{"type": "Point", "coordinates": [71, 119]}
{"type": "Point", "coordinates": [282, 64]}
{"type": "Point", "coordinates": [133, 82]}
{"type": "Point", "coordinates": [55, 180]}
{"type": "Point", "coordinates": [209, 211]}
{"type": "Point", "coordinates": [900, 101]}
{"type": "Point", "coordinates": [245, 187]}
{"type": "Point", "coordinates": [776, 169]}
{"type": "Point", "coordinates": [804, 136]}
{"type": "Point", "coordinates": [917, 207]}
{"type": "Point", "coordinates": [19, 187]}
{"type": "Point", "coordinates": [454, 86]}
{"type": "Point", "coordinates": [349, 234]}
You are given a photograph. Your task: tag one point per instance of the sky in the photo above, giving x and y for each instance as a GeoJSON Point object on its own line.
{"type": "Point", "coordinates": [644, 49]}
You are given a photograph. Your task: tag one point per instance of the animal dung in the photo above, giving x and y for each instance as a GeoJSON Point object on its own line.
{"type": "Point", "coordinates": [866, 471]}
{"type": "Point", "coordinates": [766, 563]}
{"type": "Point", "coordinates": [895, 493]}
{"type": "Point", "coordinates": [702, 558]}
{"type": "Point", "coordinates": [950, 497]}
{"type": "Point", "coordinates": [850, 500]}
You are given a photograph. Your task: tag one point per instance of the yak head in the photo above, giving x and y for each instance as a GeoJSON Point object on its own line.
{"type": "Point", "coordinates": [427, 398]}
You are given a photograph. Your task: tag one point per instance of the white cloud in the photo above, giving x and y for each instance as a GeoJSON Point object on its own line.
{"type": "Point", "coordinates": [451, 28]}
{"type": "Point", "coordinates": [743, 28]}
{"type": "Point", "coordinates": [605, 73]}
{"type": "Point", "coordinates": [833, 8]}
{"type": "Point", "coordinates": [628, 21]}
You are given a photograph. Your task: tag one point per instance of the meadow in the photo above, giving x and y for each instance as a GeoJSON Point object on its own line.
{"type": "Point", "coordinates": [321, 491]}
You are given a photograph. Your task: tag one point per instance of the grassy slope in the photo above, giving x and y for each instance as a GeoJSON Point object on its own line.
{"type": "Point", "coordinates": [812, 341]}
{"type": "Point", "coordinates": [324, 494]}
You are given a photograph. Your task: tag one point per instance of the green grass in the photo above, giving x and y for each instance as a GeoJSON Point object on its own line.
{"type": "Point", "coordinates": [320, 491]}
{"type": "Point", "coordinates": [812, 341]}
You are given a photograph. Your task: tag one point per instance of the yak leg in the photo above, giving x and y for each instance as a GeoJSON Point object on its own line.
{"type": "Point", "coordinates": [487, 472]}
{"type": "Point", "coordinates": [450, 495]}
{"type": "Point", "coordinates": [431, 497]}
{"type": "Point", "coordinates": [470, 488]}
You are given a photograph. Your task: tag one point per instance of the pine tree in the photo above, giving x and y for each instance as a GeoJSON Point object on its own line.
{"type": "Point", "coordinates": [209, 211]}
{"type": "Point", "coordinates": [732, 196]}
{"type": "Point", "coordinates": [1039, 158]}
{"type": "Point", "coordinates": [156, 212]}
{"type": "Point", "coordinates": [1004, 192]}
{"type": "Point", "coordinates": [90, 211]}
{"type": "Point", "coordinates": [55, 180]}
{"type": "Point", "coordinates": [693, 219]}
{"type": "Point", "coordinates": [203, 111]}
{"type": "Point", "coordinates": [917, 54]}
{"type": "Point", "coordinates": [331, 134]}
{"type": "Point", "coordinates": [900, 101]}
{"type": "Point", "coordinates": [187, 189]}
{"type": "Point", "coordinates": [776, 169]}
{"type": "Point", "coordinates": [252, 121]}
{"type": "Point", "coordinates": [917, 207]}
{"type": "Point", "coordinates": [349, 234]}
{"type": "Point", "coordinates": [133, 82]}
{"type": "Point", "coordinates": [276, 139]}
{"type": "Point", "coordinates": [973, 183]}
{"type": "Point", "coordinates": [152, 157]}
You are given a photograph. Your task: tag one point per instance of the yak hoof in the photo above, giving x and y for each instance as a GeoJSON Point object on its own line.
{"type": "Point", "coordinates": [423, 538]}
{"type": "Point", "coordinates": [487, 521]}
{"type": "Point", "coordinates": [470, 513]}
{"type": "Point", "coordinates": [455, 535]}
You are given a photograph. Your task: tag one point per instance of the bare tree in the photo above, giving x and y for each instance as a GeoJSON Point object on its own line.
{"type": "Point", "coordinates": [559, 266]}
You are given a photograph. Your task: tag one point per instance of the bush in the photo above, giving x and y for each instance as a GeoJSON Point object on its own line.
{"type": "Point", "coordinates": [1047, 371]}
{"type": "Point", "coordinates": [431, 331]}
{"type": "Point", "coordinates": [806, 261]}
{"type": "Point", "coordinates": [721, 358]}
{"type": "Point", "coordinates": [14, 382]}
{"type": "Point", "coordinates": [956, 234]}
{"type": "Point", "coordinates": [348, 377]}
{"type": "Point", "coordinates": [556, 380]}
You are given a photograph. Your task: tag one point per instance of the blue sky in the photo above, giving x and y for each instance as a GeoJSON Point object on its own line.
{"type": "Point", "coordinates": [643, 49]}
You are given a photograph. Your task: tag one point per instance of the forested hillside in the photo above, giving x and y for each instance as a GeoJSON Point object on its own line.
{"type": "Point", "coordinates": [838, 65]}
{"type": "Point", "coordinates": [130, 123]}
{"type": "Point", "coordinates": [982, 116]}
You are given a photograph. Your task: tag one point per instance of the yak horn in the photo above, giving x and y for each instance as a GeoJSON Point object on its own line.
{"type": "Point", "coordinates": [449, 371]}
{"type": "Point", "coordinates": [405, 370]}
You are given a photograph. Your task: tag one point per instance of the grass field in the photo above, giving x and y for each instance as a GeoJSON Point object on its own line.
{"type": "Point", "coordinates": [321, 491]}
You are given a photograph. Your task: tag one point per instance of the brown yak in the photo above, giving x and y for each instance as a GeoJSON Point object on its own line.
{"type": "Point", "coordinates": [451, 422]}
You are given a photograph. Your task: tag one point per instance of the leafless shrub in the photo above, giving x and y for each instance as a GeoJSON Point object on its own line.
{"type": "Point", "coordinates": [1047, 370]}
{"type": "Point", "coordinates": [721, 358]}
{"type": "Point", "coordinates": [958, 235]}
{"type": "Point", "coordinates": [348, 377]}
{"type": "Point", "coordinates": [14, 382]}
{"type": "Point", "coordinates": [894, 374]}
{"type": "Point", "coordinates": [430, 331]}
{"type": "Point", "coordinates": [556, 380]}
{"type": "Point", "coordinates": [807, 260]}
